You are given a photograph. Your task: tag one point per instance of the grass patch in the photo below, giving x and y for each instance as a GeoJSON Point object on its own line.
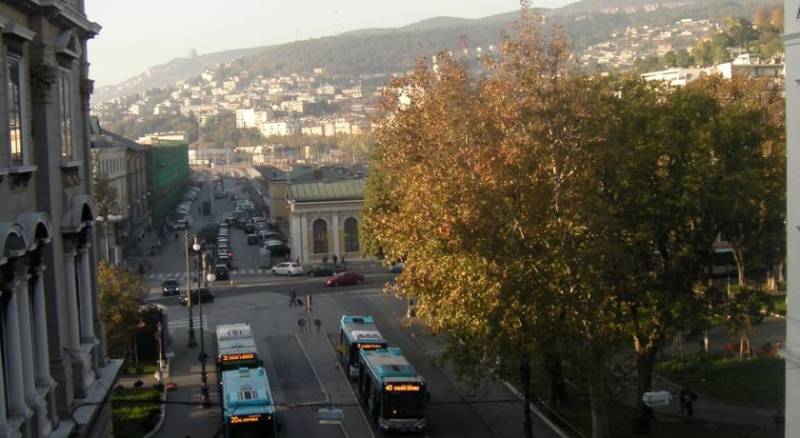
{"type": "Point", "coordinates": [137, 369]}
{"type": "Point", "coordinates": [758, 380]}
{"type": "Point", "coordinates": [576, 412]}
{"type": "Point", "coordinates": [135, 420]}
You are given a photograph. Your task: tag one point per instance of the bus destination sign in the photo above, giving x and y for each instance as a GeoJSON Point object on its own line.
{"type": "Point", "coordinates": [243, 356]}
{"type": "Point", "coordinates": [405, 387]}
{"type": "Point", "coordinates": [369, 346]}
{"type": "Point", "coordinates": [239, 419]}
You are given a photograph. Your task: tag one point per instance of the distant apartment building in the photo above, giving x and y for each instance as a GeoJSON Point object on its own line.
{"type": "Point", "coordinates": [676, 77]}
{"type": "Point", "coordinates": [294, 106]}
{"type": "Point", "coordinates": [745, 65]}
{"type": "Point", "coordinates": [282, 128]}
{"type": "Point", "coordinates": [251, 118]}
{"type": "Point", "coordinates": [55, 375]}
{"type": "Point", "coordinates": [124, 163]}
{"type": "Point", "coordinates": [750, 66]}
{"type": "Point", "coordinates": [157, 137]}
{"type": "Point", "coordinates": [250, 154]}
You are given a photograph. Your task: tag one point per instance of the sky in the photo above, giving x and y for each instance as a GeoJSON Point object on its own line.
{"type": "Point", "coordinates": [140, 34]}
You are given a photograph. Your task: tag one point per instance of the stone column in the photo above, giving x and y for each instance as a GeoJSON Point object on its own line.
{"type": "Point", "coordinates": [296, 237]}
{"type": "Point", "coordinates": [3, 420]}
{"type": "Point", "coordinates": [305, 239]}
{"type": "Point", "coordinates": [74, 339]}
{"type": "Point", "coordinates": [40, 328]}
{"type": "Point", "coordinates": [336, 234]}
{"type": "Point", "coordinates": [28, 364]}
{"type": "Point", "coordinates": [16, 385]}
{"type": "Point", "coordinates": [42, 363]}
{"type": "Point", "coordinates": [86, 302]}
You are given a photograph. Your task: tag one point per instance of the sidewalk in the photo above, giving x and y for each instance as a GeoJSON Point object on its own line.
{"type": "Point", "coordinates": [190, 420]}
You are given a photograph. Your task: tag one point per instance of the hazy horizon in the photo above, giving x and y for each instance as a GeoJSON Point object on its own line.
{"type": "Point", "coordinates": [143, 39]}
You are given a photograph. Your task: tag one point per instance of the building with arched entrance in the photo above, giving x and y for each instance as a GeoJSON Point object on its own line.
{"type": "Point", "coordinates": [54, 373]}
{"type": "Point", "coordinates": [324, 219]}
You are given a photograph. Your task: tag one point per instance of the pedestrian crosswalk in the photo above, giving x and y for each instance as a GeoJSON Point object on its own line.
{"type": "Point", "coordinates": [184, 323]}
{"type": "Point", "coordinates": [182, 275]}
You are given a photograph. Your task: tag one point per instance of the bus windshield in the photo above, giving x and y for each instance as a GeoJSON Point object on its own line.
{"type": "Point", "coordinates": [404, 404]}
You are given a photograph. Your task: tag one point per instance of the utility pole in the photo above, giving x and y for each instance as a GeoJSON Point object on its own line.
{"type": "Point", "coordinates": [192, 341]}
{"type": "Point", "coordinates": [203, 357]}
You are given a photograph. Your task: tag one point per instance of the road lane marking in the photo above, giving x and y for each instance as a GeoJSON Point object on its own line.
{"type": "Point", "coordinates": [349, 386]}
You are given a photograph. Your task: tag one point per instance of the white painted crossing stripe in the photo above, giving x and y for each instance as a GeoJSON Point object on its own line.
{"type": "Point", "coordinates": [179, 323]}
{"type": "Point", "coordinates": [182, 275]}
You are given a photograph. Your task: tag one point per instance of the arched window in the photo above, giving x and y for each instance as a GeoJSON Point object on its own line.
{"type": "Point", "coordinates": [320, 237]}
{"type": "Point", "coordinates": [351, 234]}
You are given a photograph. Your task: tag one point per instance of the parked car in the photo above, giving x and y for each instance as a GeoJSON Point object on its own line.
{"type": "Point", "coordinates": [252, 239]}
{"type": "Point", "coordinates": [325, 270]}
{"type": "Point", "coordinates": [397, 268]}
{"type": "Point", "coordinates": [170, 287]}
{"type": "Point", "coordinates": [344, 279]}
{"type": "Point", "coordinates": [203, 294]}
{"type": "Point", "coordinates": [287, 268]}
{"type": "Point", "coordinates": [221, 271]}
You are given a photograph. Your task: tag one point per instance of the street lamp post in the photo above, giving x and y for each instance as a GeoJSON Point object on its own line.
{"type": "Point", "coordinates": [209, 278]}
{"type": "Point", "coordinates": [192, 341]}
{"type": "Point", "coordinates": [160, 352]}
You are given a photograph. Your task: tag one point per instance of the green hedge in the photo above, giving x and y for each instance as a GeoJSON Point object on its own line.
{"type": "Point", "coordinates": [135, 420]}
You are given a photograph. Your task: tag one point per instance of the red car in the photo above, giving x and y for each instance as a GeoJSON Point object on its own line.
{"type": "Point", "coordinates": [344, 279]}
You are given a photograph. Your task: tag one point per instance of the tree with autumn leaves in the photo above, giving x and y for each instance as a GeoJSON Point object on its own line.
{"type": "Point", "coordinates": [544, 214]}
{"type": "Point", "coordinates": [121, 295]}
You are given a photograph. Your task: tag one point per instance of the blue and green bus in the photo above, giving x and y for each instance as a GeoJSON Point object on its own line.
{"type": "Point", "coordinates": [248, 409]}
{"type": "Point", "coordinates": [357, 333]}
{"type": "Point", "coordinates": [392, 392]}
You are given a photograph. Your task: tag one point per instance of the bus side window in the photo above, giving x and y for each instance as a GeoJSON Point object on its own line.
{"type": "Point", "coordinates": [353, 355]}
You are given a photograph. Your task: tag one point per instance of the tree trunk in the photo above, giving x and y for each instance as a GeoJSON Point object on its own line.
{"type": "Point", "coordinates": [738, 255]}
{"type": "Point", "coordinates": [645, 361]}
{"type": "Point", "coordinates": [744, 346]}
{"type": "Point", "coordinates": [771, 283]}
{"type": "Point", "coordinates": [597, 401]}
{"type": "Point", "coordinates": [525, 376]}
{"type": "Point", "coordinates": [555, 372]}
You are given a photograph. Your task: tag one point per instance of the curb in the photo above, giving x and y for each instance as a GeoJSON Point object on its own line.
{"type": "Point", "coordinates": [160, 424]}
{"type": "Point", "coordinates": [538, 413]}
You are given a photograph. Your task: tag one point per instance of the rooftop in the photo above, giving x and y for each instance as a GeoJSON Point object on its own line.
{"type": "Point", "coordinates": [345, 190]}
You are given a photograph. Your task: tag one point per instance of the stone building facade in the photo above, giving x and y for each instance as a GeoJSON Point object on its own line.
{"type": "Point", "coordinates": [324, 219]}
{"type": "Point", "coordinates": [54, 374]}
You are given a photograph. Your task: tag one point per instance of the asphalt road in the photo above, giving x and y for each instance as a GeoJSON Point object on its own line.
{"type": "Point", "coordinates": [301, 362]}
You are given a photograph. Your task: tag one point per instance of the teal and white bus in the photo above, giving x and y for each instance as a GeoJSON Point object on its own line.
{"type": "Point", "coordinates": [392, 392]}
{"type": "Point", "coordinates": [357, 333]}
{"type": "Point", "coordinates": [248, 409]}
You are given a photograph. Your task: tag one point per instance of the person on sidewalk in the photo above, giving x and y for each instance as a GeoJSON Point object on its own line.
{"type": "Point", "coordinates": [687, 398]}
{"type": "Point", "coordinates": [293, 299]}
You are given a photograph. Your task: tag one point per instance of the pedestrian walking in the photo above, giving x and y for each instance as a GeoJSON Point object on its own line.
{"type": "Point", "coordinates": [293, 299]}
{"type": "Point", "coordinates": [335, 259]}
{"type": "Point", "coordinates": [687, 398]}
